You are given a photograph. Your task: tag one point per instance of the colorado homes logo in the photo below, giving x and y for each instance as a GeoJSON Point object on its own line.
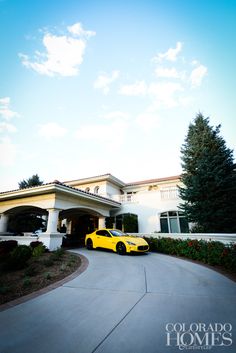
{"type": "Point", "coordinates": [198, 336]}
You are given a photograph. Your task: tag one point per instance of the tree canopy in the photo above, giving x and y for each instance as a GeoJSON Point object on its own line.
{"type": "Point", "coordinates": [209, 178]}
{"type": "Point", "coordinates": [32, 181]}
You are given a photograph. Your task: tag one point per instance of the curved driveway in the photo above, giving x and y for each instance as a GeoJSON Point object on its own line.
{"type": "Point", "coordinates": [121, 304]}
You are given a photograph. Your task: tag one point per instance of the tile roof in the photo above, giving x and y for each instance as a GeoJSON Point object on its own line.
{"type": "Point", "coordinates": [151, 181]}
{"type": "Point", "coordinates": [64, 185]}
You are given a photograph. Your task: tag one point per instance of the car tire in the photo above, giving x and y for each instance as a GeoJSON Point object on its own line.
{"type": "Point", "coordinates": [120, 248]}
{"type": "Point", "coordinates": [89, 244]}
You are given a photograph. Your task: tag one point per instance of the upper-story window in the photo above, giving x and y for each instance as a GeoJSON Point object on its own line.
{"type": "Point", "coordinates": [96, 189]}
{"type": "Point", "coordinates": [87, 189]}
{"type": "Point", "coordinates": [169, 193]}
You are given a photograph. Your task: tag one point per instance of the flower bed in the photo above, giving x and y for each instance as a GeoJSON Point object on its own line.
{"type": "Point", "coordinates": [25, 269]}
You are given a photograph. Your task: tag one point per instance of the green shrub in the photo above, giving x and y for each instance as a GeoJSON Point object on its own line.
{"type": "Point", "coordinates": [31, 271]}
{"type": "Point", "coordinates": [209, 252]}
{"type": "Point", "coordinates": [4, 289]}
{"type": "Point", "coordinates": [7, 246]}
{"type": "Point", "coordinates": [35, 243]}
{"type": "Point", "coordinates": [47, 275]}
{"type": "Point", "coordinates": [48, 262]}
{"type": "Point", "coordinates": [26, 282]}
{"type": "Point", "coordinates": [57, 254]}
{"type": "Point", "coordinates": [72, 259]}
{"type": "Point", "coordinates": [18, 257]}
{"type": "Point", "coordinates": [38, 250]}
{"type": "Point", "coordinates": [63, 268]}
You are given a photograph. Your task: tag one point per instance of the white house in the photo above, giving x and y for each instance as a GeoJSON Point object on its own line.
{"type": "Point", "coordinates": [154, 201]}
{"type": "Point", "coordinates": [80, 206]}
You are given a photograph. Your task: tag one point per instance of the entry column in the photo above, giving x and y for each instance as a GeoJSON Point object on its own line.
{"type": "Point", "coordinates": [3, 222]}
{"type": "Point", "coordinates": [101, 222]}
{"type": "Point", "coordinates": [53, 216]}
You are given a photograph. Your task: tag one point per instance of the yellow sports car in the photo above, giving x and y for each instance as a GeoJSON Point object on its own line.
{"type": "Point", "coordinates": [115, 240]}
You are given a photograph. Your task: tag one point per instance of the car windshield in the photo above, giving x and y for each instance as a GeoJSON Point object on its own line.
{"type": "Point", "coordinates": [118, 233]}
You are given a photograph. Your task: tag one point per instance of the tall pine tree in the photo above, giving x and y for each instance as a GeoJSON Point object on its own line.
{"type": "Point", "coordinates": [209, 179]}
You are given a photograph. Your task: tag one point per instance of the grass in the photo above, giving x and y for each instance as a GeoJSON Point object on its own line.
{"type": "Point", "coordinates": [40, 272]}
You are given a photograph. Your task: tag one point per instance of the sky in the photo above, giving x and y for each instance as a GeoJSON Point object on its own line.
{"type": "Point", "coordinates": [94, 87]}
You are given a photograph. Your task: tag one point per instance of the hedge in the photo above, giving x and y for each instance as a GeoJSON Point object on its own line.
{"type": "Point", "coordinates": [209, 252]}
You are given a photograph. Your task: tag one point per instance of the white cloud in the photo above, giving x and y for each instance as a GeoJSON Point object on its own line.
{"type": "Point", "coordinates": [6, 127]}
{"type": "Point", "coordinates": [147, 121]}
{"type": "Point", "coordinates": [77, 30]}
{"type": "Point", "coordinates": [186, 101]}
{"type": "Point", "coordinates": [139, 88]}
{"type": "Point", "coordinates": [112, 133]}
{"type": "Point", "coordinates": [51, 130]}
{"type": "Point", "coordinates": [5, 101]}
{"type": "Point", "coordinates": [164, 93]}
{"type": "Point", "coordinates": [104, 81]}
{"type": "Point", "coordinates": [194, 62]}
{"type": "Point", "coordinates": [197, 75]}
{"type": "Point", "coordinates": [164, 72]}
{"type": "Point", "coordinates": [5, 111]}
{"type": "Point", "coordinates": [63, 54]}
{"type": "Point", "coordinates": [116, 115]}
{"type": "Point", "coordinates": [170, 55]}
{"type": "Point", "coordinates": [8, 152]}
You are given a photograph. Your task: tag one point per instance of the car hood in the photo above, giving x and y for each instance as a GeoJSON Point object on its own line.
{"type": "Point", "coordinates": [135, 240]}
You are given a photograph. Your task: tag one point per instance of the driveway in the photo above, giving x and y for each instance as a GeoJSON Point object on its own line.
{"type": "Point", "coordinates": [123, 304]}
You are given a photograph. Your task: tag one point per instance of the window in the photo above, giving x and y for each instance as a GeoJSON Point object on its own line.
{"type": "Point", "coordinates": [87, 189]}
{"type": "Point", "coordinates": [173, 222]}
{"type": "Point", "coordinates": [96, 189]}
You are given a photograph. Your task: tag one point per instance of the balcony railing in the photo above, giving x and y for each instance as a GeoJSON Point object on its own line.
{"type": "Point", "coordinates": [171, 193]}
{"type": "Point", "coordinates": [128, 198]}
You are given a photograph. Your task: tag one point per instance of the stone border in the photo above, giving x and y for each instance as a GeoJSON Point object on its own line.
{"type": "Point", "coordinates": [83, 266]}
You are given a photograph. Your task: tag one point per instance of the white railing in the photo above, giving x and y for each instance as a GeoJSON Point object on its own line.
{"type": "Point", "coordinates": [171, 193]}
{"type": "Point", "coordinates": [22, 240]}
{"type": "Point", "coordinates": [223, 238]}
{"type": "Point", "coordinates": [129, 198]}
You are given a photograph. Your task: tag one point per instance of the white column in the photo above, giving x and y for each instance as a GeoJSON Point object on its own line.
{"type": "Point", "coordinates": [53, 214]}
{"type": "Point", "coordinates": [101, 222]}
{"type": "Point", "coordinates": [3, 222]}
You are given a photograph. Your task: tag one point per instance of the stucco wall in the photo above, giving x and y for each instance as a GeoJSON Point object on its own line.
{"type": "Point", "coordinates": [148, 205]}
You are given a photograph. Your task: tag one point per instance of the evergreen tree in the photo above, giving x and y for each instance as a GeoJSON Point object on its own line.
{"type": "Point", "coordinates": [209, 179]}
{"type": "Point", "coordinates": [32, 181]}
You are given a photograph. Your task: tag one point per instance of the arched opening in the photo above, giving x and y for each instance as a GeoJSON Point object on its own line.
{"type": "Point", "coordinates": [76, 223]}
{"type": "Point", "coordinates": [96, 189]}
{"type": "Point", "coordinates": [26, 219]}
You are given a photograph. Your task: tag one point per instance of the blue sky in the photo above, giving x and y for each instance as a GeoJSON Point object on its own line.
{"type": "Point", "coordinates": [94, 87]}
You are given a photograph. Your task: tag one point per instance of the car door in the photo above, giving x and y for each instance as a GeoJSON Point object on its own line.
{"type": "Point", "coordinates": [103, 239]}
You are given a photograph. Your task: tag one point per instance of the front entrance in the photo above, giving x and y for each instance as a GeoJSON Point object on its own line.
{"type": "Point", "coordinates": [83, 225]}
{"type": "Point", "coordinates": [76, 223]}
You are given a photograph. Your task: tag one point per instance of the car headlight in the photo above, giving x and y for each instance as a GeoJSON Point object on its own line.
{"type": "Point", "coordinates": [130, 242]}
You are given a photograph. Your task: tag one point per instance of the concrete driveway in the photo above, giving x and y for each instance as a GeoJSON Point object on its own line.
{"type": "Point", "coordinates": [123, 304]}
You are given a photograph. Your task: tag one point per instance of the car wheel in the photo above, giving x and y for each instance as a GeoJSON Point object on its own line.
{"type": "Point", "coordinates": [89, 244]}
{"type": "Point", "coordinates": [121, 249]}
